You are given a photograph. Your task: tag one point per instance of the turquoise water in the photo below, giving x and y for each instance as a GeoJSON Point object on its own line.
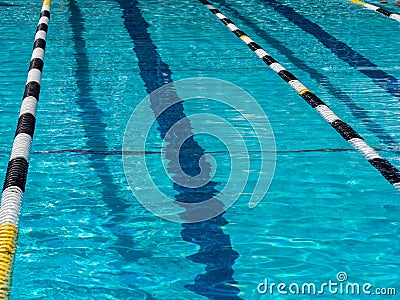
{"type": "Point", "coordinates": [83, 235]}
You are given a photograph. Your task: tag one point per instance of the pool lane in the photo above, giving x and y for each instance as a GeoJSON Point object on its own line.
{"type": "Point", "coordinates": [357, 111]}
{"type": "Point", "coordinates": [354, 59]}
{"type": "Point", "coordinates": [215, 251]}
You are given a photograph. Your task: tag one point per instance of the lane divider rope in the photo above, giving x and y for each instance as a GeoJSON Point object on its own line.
{"type": "Point", "coordinates": [389, 172]}
{"type": "Point", "coordinates": [17, 169]}
{"type": "Point", "coordinates": [377, 9]}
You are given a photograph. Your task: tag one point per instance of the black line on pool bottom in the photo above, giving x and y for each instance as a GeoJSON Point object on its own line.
{"type": "Point", "coordinates": [119, 152]}
{"type": "Point", "coordinates": [94, 128]}
{"type": "Point", "coordinates": [357, 111]}
{"type": "Point", "coordinates": [354, 59]}
{"type": "Point", "coordinates": [215, 251]}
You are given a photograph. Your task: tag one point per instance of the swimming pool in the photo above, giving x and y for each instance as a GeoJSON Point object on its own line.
{"type": "Point", "coordinates": [83, 235]}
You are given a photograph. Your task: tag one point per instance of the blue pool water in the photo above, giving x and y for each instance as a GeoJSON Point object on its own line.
{"type": "Point", "coordinates": [83, 235]}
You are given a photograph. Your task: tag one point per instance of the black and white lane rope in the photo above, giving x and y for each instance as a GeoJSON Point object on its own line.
{"type": "Point", "coordinates": [378, 9]}
{"type": "Point", "coordinates": [389, 172]}
{"type": "Point", "coordinates": [17, 169]}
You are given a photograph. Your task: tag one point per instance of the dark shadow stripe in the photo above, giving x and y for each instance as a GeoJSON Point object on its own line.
{"type": "Point", "coordinates": [357, 111]}
{"type": "Point", "coordinates": [95, 128]}
{"type": "Point", "coordinates": [354, 59]}
{"type": "Point", "coordinates": [215, 251]}
{"type": "Point", "coordinates": [7, 4]}
{"type": "Point", "coordinates": [36, 63]}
